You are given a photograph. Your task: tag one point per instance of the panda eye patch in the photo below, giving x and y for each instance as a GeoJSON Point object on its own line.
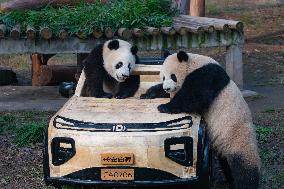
{"type": "Point", "coordinates": [174, 78]}
{"type": "Point", "coordinates": [129, 67]}
{"type": "Point", "coordinates": [163, 78]}
{"type": "Point", "coordinates": [118, 65]}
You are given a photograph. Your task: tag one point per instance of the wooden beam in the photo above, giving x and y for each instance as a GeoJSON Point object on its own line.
{"type": "Point", "coordinates": [197, 7]}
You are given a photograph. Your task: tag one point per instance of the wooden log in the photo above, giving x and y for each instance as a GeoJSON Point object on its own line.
{"type": "Point", "coordinates": [231, 24]}
{"type": "Point", "coordinates": [32, 4]}
{"type": "Point", "coordinates": [55, 74]}
{"type": "Point", "coordinates": [153, 31]}
{"type": "Point", "coordinates": [197, 7]}
{"type": "Point", "coordinates": [2, 31]}
{"type": "Point", "coordinates": [81, 35]}
{"type": "Point", "coordinates": [30, 32]}
{"type": "Point", "coordinates": [137, 32]}
{"type": "Point", "coordinates": [124, 33]}
{"type": "Point", "coordinates": [191, 28]}
{"type": "Point", "coordinates": [97, 34]}
{"type": "Point", "coordinates": [168, 30]}
{"type": "Point", "coordinates": [45, 33]}
{"type": "Point", "coordinates": [181, 29]}
{"type": "Point", "coordinates": [16, 32]}
{"type": "Point", "coordinates": [63, 34]}
{"type": "Point", "coordinates": [109, 33]}
{"type": "Point", "coordinates": [205, 26]}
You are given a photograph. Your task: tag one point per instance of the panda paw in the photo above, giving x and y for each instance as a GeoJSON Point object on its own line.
{"type": "Point", "coordinates": [103, 95]}
{"type": "Point", "coordinates": [107, 95]}
{"type": "Point", "coordinates": [121, 96]}
{"type": "Point", "coordinates": [163, 108]}
{"type": "Point", "coordinates": [147, 96]}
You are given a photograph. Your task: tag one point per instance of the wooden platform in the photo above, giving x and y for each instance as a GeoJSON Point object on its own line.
{"type": "Point", "coordinates": [133, 110]}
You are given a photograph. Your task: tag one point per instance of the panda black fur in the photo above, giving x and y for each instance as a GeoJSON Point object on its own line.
{"type": "Point", "coordinates": [198, 84]}
{"type": "Point", "coordinates": [108, 70]}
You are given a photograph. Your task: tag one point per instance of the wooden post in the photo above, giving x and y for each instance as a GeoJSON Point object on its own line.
{"type": "Point", "coordinates": [234, 64]}
{"type": "Point", "coordinates": [197, 7]}
{"type": "Point", "coordinates": [36, 65]}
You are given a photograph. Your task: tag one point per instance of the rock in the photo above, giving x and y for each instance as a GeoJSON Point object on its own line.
{"type": "Point", "coordinates": [7, 77]}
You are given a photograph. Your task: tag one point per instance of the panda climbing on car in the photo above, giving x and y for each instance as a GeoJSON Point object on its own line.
{"type": "Point", "coordinates": [108, 70]}
{"type": "Point", "coordinates": [198, 84]}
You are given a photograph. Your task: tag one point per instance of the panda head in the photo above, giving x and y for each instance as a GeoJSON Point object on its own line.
{"type": "Point", "coordinates": [174, 71]}
{"type": "Point", "coordinates": [119, 59]}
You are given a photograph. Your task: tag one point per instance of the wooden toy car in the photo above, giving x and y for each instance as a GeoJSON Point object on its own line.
{"type": "Point", "coordinates": [124, 142]}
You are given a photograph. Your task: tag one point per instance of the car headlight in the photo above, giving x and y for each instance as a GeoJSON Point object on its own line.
{"type": "Point", "coordinates": [179, 150]}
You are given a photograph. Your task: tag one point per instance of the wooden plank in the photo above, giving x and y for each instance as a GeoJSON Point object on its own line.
{"type": "Point", "coordinates": [234, 64]}
{"type": "Point", "coordinates": [141, 69]}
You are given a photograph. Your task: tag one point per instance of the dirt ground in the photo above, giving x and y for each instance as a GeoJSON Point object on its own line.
{"type": "Point", "coordinates": [20, 167]}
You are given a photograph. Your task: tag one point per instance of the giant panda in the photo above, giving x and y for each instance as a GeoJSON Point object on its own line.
{"type": "Point", "coordinates": [198, 84]}
{"type": "Point", "coordinates": [108, 70]}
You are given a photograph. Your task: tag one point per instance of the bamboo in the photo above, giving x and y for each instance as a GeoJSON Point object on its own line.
{"type": "Point", "coordinates": [16, 32]}
{"type": "Point", "coordinates": [30, 32]}
{"type": "Point", "coordinates": [45, 33]}
{"type": "Point", "coordinates": [2, 30]}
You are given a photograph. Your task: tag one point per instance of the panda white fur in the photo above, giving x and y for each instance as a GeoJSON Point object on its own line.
{"type": "Point", "coordinates": [108, 70]}
{"type": "Point", "coordinates": [199, 85]}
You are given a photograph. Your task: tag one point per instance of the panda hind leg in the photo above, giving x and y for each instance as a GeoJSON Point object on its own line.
{"type": "Point", "coordinates": [238, 173]}
{"type": "Point", "coordinates": [129, 87]}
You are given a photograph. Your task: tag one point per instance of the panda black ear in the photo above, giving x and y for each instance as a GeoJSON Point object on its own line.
{"type": "Point", "coordinates": [182, 56]}
{"type": "Point", "coordinates": [113, 45]}
{"type": "Point", "coordinates": [134, 50]}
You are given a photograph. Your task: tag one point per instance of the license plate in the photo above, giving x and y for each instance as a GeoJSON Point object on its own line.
{"type": "Point", "coordinates": [117, 174]}
{"type": "Point", "coordinates": [117, 159]}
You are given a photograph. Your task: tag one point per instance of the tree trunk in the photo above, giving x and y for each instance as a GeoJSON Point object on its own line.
{"type": "Point", "coordinates": [197, 7]}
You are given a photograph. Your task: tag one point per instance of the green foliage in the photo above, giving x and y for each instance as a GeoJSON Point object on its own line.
{"type": "Point", "coordinates": [26, 128]}
{"type": "Point", "coordinates": [87, 17]}
{"type": "Point", "coordinates": [263, 133]}
{"type": "Point", "coordinates": [30, 133]}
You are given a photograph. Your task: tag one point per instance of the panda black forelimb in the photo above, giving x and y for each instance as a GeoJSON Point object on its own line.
{"type": "Point", "coordinates": [155, 91]}
{"type": "Point", "coordinates": [129, 87]}
{"type": "Point", "coordinates": [199, 90]}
